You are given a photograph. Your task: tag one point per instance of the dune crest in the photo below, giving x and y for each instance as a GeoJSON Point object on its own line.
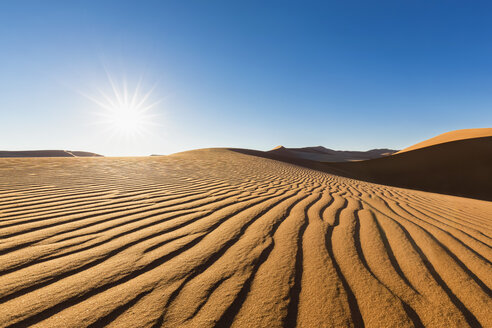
{"type": "Point", "coordinates": [451, 136]}
{"type": "Point", "coordinates": [46, 153]}
{"type": "Point", "coordinates": [217, 238]}
{"type": "Point", "coordinates": [278, 147]}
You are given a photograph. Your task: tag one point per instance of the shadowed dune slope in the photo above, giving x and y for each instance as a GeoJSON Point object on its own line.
{"type": "Point", "coordinates": [46, 153]}
{"type": "Point", "coordinates": [462, 168]}
{"type": "Point", "coordinates": [451, 136]}
{"type": "Point", "coordinates": [217, 238]}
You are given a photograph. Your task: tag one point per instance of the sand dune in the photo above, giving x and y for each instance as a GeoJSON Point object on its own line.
{"type": "Point", "coordinates": [451, 136]}
{"type": "Point", "coordinates": [461, 167]}
{"type": "Point", "coordinates": [322, 154]}
{"type": "Point", "coordinates": [219, 238]}
{"type": "Point", "coordinates": [46, 153]}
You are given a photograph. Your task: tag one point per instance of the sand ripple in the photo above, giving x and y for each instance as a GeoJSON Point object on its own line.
{"type": "Point", "coordinates": [218, 238]}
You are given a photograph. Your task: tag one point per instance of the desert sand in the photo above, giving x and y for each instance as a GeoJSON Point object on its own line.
{"type": "Point", "coordinates": [219, 238]}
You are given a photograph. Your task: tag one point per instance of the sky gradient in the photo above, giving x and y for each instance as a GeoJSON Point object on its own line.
{"type": "Point", "coordinates": [352, 75]}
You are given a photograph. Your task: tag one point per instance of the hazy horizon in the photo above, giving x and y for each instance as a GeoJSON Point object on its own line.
{"type": "Point", "coordinates": [347, 76]}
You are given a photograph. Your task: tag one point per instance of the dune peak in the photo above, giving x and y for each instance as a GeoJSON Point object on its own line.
{"type": "Point", "coordinates": [279, 147]}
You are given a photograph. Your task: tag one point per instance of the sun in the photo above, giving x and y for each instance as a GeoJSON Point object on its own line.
{"type": "Point", "coordinates": [125, 113]}
{"type": "Point", "coordinates": [126, 119]}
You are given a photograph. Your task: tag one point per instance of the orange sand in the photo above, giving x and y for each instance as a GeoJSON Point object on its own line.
{"type": "Point", "coordinates": [218, 238]}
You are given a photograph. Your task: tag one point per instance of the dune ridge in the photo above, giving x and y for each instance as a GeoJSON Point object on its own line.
{"type": "Point", "coordinates": [219, 238]}
{"type": "Point", "coordinates": [450, 136]}
{"type": "Point", "coordinates": [46, 153]}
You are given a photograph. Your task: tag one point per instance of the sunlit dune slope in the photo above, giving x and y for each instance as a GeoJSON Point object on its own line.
{"type": "Point", "coordinates": [462, 168]}
{"type": "Point", "coordinates": [451, 136]}
{"type": "Point", "coordinates": [218, 238]}
{"type": "Point", "coordinates": [46, 153]}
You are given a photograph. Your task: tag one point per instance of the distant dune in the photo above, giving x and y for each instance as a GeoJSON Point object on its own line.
{"type": "Point", "coordinates": [323, 154]}
{"type": "Point", "coordinates": [47, 153]}
{"type": "Point", "coordinates": [216, 238]}
{"type": "Point", "coordinates": [83, 154]}
{"type": "Point", "coordinates": [451, 136]}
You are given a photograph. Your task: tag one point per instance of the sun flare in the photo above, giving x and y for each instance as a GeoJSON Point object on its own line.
{"type": "Point", "coordinates": [126, 119]}
{"type": "Point", "coordinates": [126, 113]}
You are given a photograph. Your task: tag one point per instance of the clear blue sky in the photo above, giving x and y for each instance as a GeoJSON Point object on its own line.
{"type": "Point", "coordinates": [251, 74]}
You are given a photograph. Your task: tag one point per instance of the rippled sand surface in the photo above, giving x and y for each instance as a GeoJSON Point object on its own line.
{"type": "Point", "coordinates": [218, 238]}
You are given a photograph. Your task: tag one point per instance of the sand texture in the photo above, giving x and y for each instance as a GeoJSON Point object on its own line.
{"type": "Point", "coordinates": [219, 238]}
